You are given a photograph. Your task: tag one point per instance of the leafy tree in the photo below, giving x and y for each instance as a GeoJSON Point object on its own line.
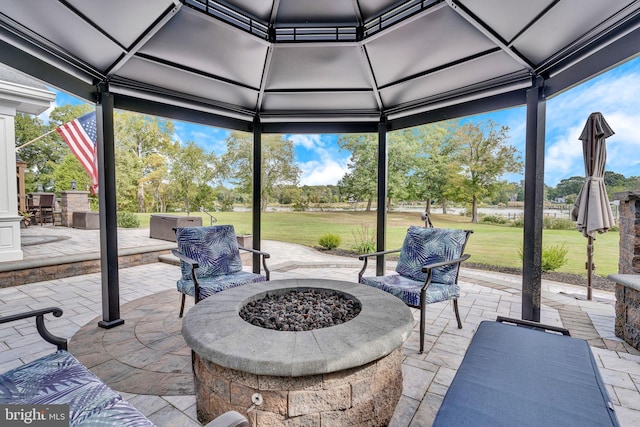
{"type": "Point", "coordinates": [614, 179]}
{"type": "Point", "coordinates": [143, 137]}
{"type": "Point", "coordinates": [278, 167]}
{"type": "Point", "coordinates": [569, 186]}
{"type": "Point", "coordinates": [485, 156]}
{"type": "Point", "coordinates": [360, 183]}
{"type": "Point", "coordinates": [69, 169]}
{"type": "Point", "coordinates": [191, 170]}
{"type": "Point", "coordinates": [403, 148]}
{"type": "Point", "coordinates": [435, 162]}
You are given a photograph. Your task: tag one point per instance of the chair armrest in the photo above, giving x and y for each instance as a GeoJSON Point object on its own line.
{"type": "Point", "coordinates": [193, 263]}
{"type": "Point", "coordinates": [264, 256]}
{"type": "Point", "coordinates": [61, 343]}
{"type": "Point", "coordinates": [426, 268]}
{"type": "Point", "coordinates": [365, 258]}
{"type": "Point", "coordinates": [429, 268]}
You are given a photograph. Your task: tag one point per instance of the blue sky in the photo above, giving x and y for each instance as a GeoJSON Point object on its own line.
{"type": "Point", "coordinates": [616, 94]}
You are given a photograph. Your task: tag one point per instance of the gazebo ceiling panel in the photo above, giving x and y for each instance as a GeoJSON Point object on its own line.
{"type": "Point", "coordinates": [335, 102]}
{"type": "Point", "coordinates": [507, 18]}
{"type": "Point", "coordinates": [389, 57]}
{"type": "Point", "coordinates": [124, 20]}
{"type": "Point", "coordinates": [165, 77]}
{"type": "Point", "coordinates": [297, 66]}
{"type": "Point", "coordinates": [372, 8]}
{"type": "Point", "coordinates": [400, 54]}
{"type": "Point", "coordinates": [567, 24]}
{"type": "Point", "coordinates": [480, 72]}
{"type": "Point", "coordinates": [78, 38]}
{"type": "Point", "coordinates": [210, 47]}
{"type": "Point", "coordinates": [260, 9]}
{"type": "Point", "coordinates": [315, 12]}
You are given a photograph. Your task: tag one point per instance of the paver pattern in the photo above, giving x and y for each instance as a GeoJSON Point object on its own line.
{"type": "Point", "coordinates": [149, 339]}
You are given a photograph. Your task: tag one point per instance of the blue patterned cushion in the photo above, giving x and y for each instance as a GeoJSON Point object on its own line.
{"type": "Point", "coordinates": [211, 285]}
{"type": "Point", "coordinates": [423, 246]}
{"type": "Point", "coordinates": [59, 378]}
{"type": "Point", "coordinates": [214, 248]}
{"type": "Point", "coordinates": [408, 290]}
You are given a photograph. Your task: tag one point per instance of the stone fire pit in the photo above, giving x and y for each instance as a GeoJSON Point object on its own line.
{"type": "Point", "coordinates": [344, 375]}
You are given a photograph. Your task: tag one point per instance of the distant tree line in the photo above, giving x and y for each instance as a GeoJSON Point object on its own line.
{"type": "Point", "coordinates": [567, 189]}
{"type": "Point", "coordinates": [443, 163]}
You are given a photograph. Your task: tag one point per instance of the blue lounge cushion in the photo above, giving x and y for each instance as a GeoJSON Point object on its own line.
{"type": "Point", "coordinates": [59, 378]}
{"type": "Point", "coordinates": [516, 376]}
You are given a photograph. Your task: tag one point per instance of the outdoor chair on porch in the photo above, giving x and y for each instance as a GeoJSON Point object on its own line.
{"type": "Point", "coordinates": [427, 270]}
{"type": "Point", "coordinates": [47, 208]}
{"type": "Point", "coordinates": [210, 261]}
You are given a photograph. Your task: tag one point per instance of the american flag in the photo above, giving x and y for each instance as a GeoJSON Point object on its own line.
{"type": "Point", "coordinates": [81, 136]}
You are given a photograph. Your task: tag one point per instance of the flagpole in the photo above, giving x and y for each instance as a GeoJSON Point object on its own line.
{"type": "Point", "coordinates": [35, 139]}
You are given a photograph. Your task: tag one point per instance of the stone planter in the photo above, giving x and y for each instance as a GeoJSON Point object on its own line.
{"type": "Point", "coordinates": [245, 240]}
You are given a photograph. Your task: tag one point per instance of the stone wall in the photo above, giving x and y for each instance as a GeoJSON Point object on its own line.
{"type": "Point", "coordinates": [363, 396]}
{"type": "Point", "coordinates": [627, 324]}
{"type": "Point", "coordinates": [629, 232]}
{"type": "Point", "coordinates": [73, 201]}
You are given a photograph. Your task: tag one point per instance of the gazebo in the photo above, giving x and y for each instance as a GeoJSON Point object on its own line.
{"type": "Point", "coordinates": [333, 66]}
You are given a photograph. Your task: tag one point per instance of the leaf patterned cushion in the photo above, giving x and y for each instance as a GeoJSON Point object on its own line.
{"type": "Point", "coordinates": [215, 248]}
{"type": "Point", "coordinates": [211, 285]}
{"type": "Point", "coordinates": [423, 246]}
{"type": "Point", "coordinates": [59, 378]}
{"type": "Point", "coordinates": [408, 290]}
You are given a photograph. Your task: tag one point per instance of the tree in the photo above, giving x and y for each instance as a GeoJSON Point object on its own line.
{"type": "Point", "coordinates": [278, 167]}
{"type": "Point", "coordinates": [435, 163]}
{"type": "Point", "coordinates": [360, 183]}
{"type": "Point", "coordinates": [568, 186]}
{"type": "Point", "coordinates": [143, 137]}
{"type": "Point", "coordinates": [191, 170]}
{"type": "Point", "coordinates": [485, 156]}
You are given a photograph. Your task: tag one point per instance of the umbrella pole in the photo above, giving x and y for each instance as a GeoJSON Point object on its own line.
{"type": "Point", "coordinates": [590, 266]}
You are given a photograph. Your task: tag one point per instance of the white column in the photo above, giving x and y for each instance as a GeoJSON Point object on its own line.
{"type": "Point", "coordinates": [10, 248]}
{"type": "Point", "coordinates": [14, 97]}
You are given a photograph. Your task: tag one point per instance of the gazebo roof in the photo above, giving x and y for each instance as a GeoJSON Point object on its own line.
{"type": "Point", "coordinates": [314, 62]}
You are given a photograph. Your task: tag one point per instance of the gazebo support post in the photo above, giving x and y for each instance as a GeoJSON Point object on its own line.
{"type": "Point", "coordinates": [105, 148]}
{"type": "Point", "coordinates": [257, 184]}
{"type": "Point", "coordinates": [383, 163]}
{"type": "Point", "coordinates": [533, 202]}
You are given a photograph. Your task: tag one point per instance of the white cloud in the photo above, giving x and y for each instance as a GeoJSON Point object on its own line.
{"type": "Point", "coordinates": [44, 116]}
{"type": "Point", "coordinates": [325, 172]}
{"type": "Point", "coordinates": [310, 142]}
{"type": "Point", "coordinates": [615, 94]}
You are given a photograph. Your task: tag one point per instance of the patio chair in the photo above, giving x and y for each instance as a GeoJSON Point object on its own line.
{"type": "Point", "coordinates": [47, 207]}
{"type": "Point", "coordinates": [427, 270]}
{"type": "Point", "coordinates": [33, 209]}
{"type": "Point", "coordinates": [210, 261]}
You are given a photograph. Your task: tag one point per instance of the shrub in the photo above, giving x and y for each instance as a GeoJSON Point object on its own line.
{"type": "Point", "coordinates": [365, 239]}
{"type": "Point", "coordinates": [494, 219]}
{"type": "Point", "coordinates": [551, 223]}
{"type": "Point", "coordinates": [553, 257]}
{"type": "Point", "coordinates": [330, 241]}
{"type": "Point", "coordinates": [128, 220]}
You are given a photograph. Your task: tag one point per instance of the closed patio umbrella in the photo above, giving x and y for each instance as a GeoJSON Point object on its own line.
{"type": "Point", "coordinates": [591, 210]}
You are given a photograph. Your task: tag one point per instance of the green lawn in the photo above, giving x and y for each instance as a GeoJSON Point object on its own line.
{"type": "Point", "coordinates": [489, 244]}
